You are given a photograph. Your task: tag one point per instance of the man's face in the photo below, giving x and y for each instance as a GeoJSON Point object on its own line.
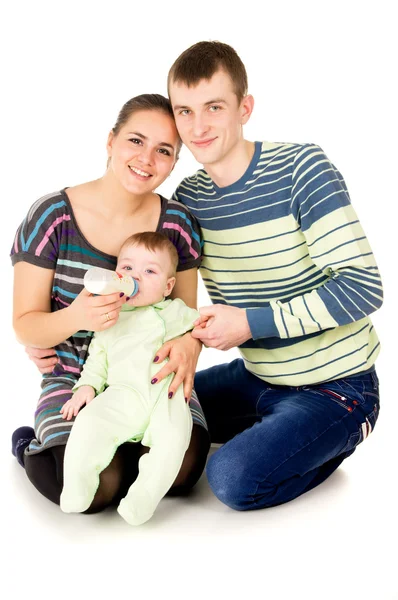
{"type": "Point", "coordinates": [208, 117]}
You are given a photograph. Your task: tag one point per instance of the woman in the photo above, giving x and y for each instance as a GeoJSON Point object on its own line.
{"type": "Point", "coordinates": [63, 235]}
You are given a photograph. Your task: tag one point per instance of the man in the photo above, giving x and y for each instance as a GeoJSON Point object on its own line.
{"type": "Point", "coordinates": [293, 280]}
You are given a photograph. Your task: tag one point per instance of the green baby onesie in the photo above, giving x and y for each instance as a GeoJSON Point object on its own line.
{"type": "Point", "coordinates": [128, 407]}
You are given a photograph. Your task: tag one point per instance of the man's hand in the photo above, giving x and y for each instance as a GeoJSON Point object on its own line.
{"type": "Point", "coordinates": [82, 396]}
{"type": "Point", "coordinates": [45, 360]}
{"type": "Point", "coordinates": [222, 327]}
{"type": "Point", "coordinates": [183, 353]}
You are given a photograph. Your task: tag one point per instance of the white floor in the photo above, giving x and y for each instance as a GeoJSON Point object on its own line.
{"type": "Point", "coordinates": [337, 541]}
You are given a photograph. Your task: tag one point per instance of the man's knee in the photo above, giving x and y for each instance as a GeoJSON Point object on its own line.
{"type": "Point", "coordinates": [232, 482]}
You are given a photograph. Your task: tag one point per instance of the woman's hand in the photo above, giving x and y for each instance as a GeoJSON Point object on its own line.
{"type": "Point", "coordinates": [183, 353]}
{"type": "Point", "coordinates": [93, 313]}
{"type": "Point", "coordinates": [45, 360]}
{"type": "Point", "coordinates": [96, 313]}
{"type": "Point", "coordinates": [82, 396]}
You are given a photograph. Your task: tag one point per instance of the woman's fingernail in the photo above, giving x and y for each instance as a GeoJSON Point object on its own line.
{"type": "Point", "coordinates": [121, 294]}
{"type": "Point", "coordinates": [156, 359]}
{"type": "Point", "coordinates": [186, 399]}
{"type": "Point", "coordinates": [170, 395]}
{"type": "Point", "coordinates": [154, 380]}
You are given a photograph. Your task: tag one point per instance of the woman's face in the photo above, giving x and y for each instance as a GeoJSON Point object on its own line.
{"type": "Point", "coordinates": [144, 152]}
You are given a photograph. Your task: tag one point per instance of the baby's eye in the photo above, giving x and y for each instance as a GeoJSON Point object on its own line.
{"type": "Point", "coordinates": [149, 271]}
{"type": "Point", "coordinates": [127, 268]}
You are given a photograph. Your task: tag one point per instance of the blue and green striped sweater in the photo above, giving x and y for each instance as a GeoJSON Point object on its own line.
{"type": "Point", "coordinates": [284, 243]}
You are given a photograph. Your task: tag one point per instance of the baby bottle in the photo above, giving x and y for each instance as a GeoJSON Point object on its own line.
{"type": "Point", "coordinates": [103, 281]}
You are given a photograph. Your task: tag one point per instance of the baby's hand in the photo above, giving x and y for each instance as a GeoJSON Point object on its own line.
{"type": "Point", "coordinates": [82, 396]}
{"type": "Point", "coordinates": [203, 321]}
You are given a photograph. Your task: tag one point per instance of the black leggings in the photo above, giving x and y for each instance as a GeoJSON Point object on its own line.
{"type": "Point", "coordinates": [45, 471]}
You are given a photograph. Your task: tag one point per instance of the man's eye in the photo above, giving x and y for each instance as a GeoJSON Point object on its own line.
{"type": "Point", "coordinates": [184, 112]}
{"type": "Point", "coordinates": [214, 108]}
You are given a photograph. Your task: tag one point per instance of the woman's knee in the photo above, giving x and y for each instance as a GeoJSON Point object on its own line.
{"type": "Point", "coordinates": [45, 472]}
{"type": "Point", "coordinates": [109, 485]}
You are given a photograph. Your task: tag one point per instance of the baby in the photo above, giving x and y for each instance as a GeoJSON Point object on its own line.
{"type": "Point", "coordinates": [118, 374]}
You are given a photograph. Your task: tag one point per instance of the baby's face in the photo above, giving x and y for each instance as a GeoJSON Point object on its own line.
{"type": "Point", "coordinates": [150, 269]}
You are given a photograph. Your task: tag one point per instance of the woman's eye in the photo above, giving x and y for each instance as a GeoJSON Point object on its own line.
{"type": "Point", "coordinates": [164, 151]}
{"type": "Point", "coordinates": [135, 141]}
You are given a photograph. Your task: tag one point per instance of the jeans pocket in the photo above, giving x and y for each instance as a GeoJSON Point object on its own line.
{"type": "Point", "coordinates": [371, 418]}
{"type": "Point", "coordinates": [338, 398]}
{"type": "Point", "coordinates": [365, 428]}
{"type": "Point", "coordinates": [353, 440]}
{"type": "Point", "coordinates": [375, 381]}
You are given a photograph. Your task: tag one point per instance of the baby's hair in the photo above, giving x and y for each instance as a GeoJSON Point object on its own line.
{"type": "Point", "coordinates": [153, 240]}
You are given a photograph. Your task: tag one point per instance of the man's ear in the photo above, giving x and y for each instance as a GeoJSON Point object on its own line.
{"type": "Point", "coordinates": [246, 108]}
{"type": "Point", "coordinates": [169, 286]}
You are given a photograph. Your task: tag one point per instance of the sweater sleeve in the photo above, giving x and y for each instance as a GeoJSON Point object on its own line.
{"type": "Point", "coordinates": [351, 288]}
{"type": "Point", "coordinates": [184, 231]}
{"type": "Point", "coordinates": [95, 370]}
{"type": "Point", "coordinates": [38, 237]}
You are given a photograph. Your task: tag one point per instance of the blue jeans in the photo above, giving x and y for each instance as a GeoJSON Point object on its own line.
{"type": "Point", "coordinates": [280, 441]}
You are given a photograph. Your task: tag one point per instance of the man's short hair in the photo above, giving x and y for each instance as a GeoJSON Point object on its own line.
{"type": "Point", "coordinates": [203, 60]}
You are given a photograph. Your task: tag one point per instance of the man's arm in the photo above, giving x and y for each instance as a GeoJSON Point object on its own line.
{"type": "Point", "coordinates": [348, 286]}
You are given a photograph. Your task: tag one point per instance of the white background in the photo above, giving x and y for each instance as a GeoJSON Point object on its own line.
{"type": "Point", "coordinates": [320, 72]}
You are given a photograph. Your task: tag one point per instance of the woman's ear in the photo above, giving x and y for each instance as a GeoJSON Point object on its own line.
{"type": "Point", "coordinates": [109, 143]}
{"type": "Point", "coordinates": [172, 168]}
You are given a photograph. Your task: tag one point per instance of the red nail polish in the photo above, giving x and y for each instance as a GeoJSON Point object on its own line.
{"type": "Point", "coordinates": [121, 294]}
{"type": "Point", "coordinates": [154, 380]}
{"type": "Point", "coordinates": [170, 395]}
{"type": "Point", "coordinates": [156, 359]}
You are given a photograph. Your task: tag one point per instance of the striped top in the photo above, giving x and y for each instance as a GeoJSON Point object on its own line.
{"type": "Point", "coordinates": [50, 237]}
{"type": "Point", "coordinates": [285, 243]}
